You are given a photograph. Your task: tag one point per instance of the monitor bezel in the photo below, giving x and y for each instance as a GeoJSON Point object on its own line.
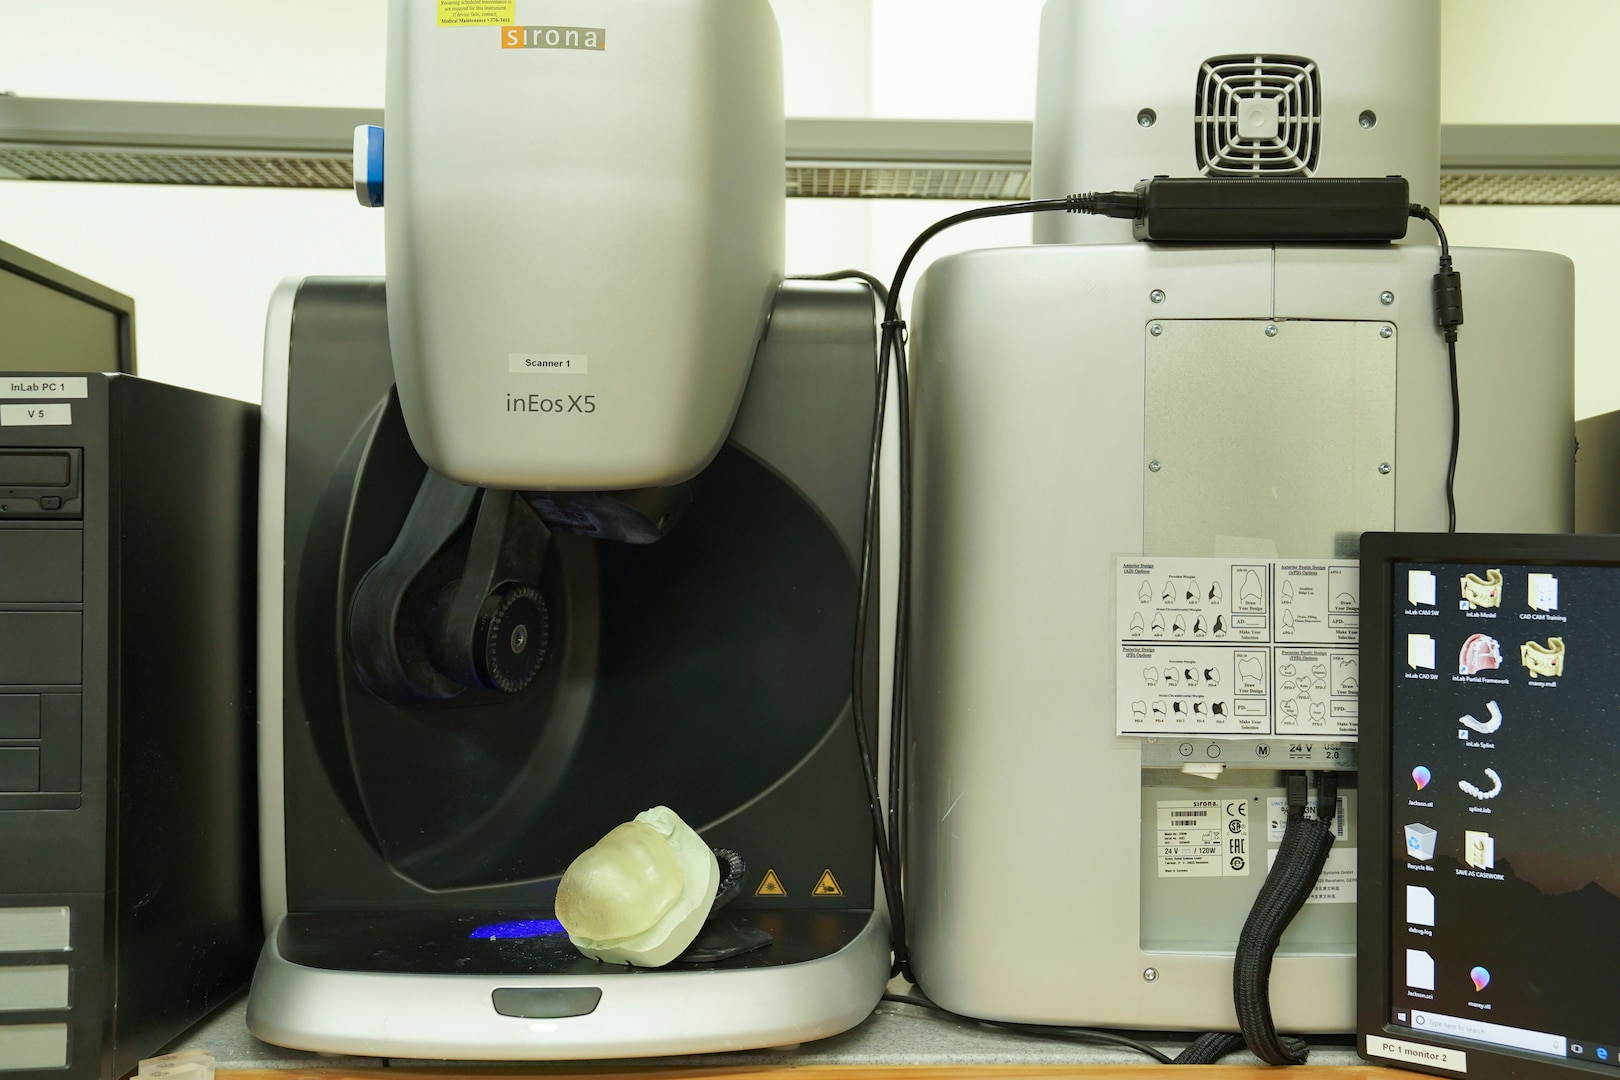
{"type": "Point", "coordinates": [1374, 911]}
{"type": "Point", "coordinates": [27, 265]}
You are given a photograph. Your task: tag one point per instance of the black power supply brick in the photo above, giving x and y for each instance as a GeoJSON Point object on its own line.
{"type": "Point", "coordinates": [1262, 209]}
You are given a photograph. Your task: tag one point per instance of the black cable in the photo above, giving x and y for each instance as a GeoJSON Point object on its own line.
{"type": "Point", "coordinates": [902, 629]}
{"type": "Point", "coordinates": [1305, 845]}
{"type": "Point", "coordinates": [1327, 799]}
{"type": "Point", "coordinates": [1071, 1034]}
{"type": "Point", "coordinates": [1428, 215]}
{"type": "Point", "coordinates": [888, 869]}
{"type": "Point", "coordinates": [1209, 1048]}
{"type": "Point", "coordinates": [1448, 315]}
{"type": "Point", "coordinates": [887, 833]}
{"type": "Point", "coordinates": [877, 285]}
{"type": "Point", "coordinates": [895, 825]}
{"type": "Point", "coordinates": [1456, 440]}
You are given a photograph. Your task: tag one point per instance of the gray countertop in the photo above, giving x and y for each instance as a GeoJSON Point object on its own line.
{"type": "Point", "coordinates": [895, 1034]}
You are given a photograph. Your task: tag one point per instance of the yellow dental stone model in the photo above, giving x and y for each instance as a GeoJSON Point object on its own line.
{"type": "Point", "coordinates": [1546, 660]}
{"type": "Point", "coordinates": [1483, 592]}
{"type": "Point", "coordinates": [640, 895]}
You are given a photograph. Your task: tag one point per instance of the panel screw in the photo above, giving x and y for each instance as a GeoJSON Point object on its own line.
{"type": "Point", "coordinates": [1386, 332]}
{"type": "Point", "coordinates": [1157, 296]}
{"type": "Point", "coordinates": [1385, 468]}
{"type": "Point", "coordinates": [1155, 329]}
{"type": "Point", "coordinates": [1154, 466]}
{"type": "Point", "coordinates": [1368, 119]}
{"type": "Point", "coordinates": [1271, 329]}
{"type": "Point", "coordinates": [1150, 974]}
{"type": "Point", "coordinates": [1386, 298]}
{"type": "Point", "coordinates": [1147, 118]}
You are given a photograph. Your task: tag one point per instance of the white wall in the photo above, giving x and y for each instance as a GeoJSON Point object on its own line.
{"type": "Point", "coordinates": [955, 59]}
{"type": "Point", "coordinates": [201, 262]}
{"type": "Point", "coordinates": [1590, 235]}
{"type": "Point", "coordinates": [1513, 62]}
{"type": "Point", "coordinates": [1510, 62]}
{"type": "Point", "coordinates": [289, 52]}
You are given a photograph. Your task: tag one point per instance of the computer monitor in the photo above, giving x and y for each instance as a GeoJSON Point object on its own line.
{"type": "Point", "coordinates": [53, 320]}
{"type": "Point", "coordinates": [1489, 895]}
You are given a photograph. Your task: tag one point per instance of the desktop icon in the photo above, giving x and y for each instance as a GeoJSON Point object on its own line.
{"type": "Point", "coordinates": [1419, 906]}
{"type": "Point", "coordinates": [1543, 592]}
{"type": "Point", "coordinates": [1420, 651]}
{"type": "Point", "coordinates": [1421, 777]}
{"type": "Point", "coordinates": [1420, 842]}
{"type": "Point", "coordinates": [1482, 592]}
{"type": "Point", "coordinates": [1482, 793]}
{"type": "Point", "coordinates": [1484, 727]}
{"type": "Point", "coordinates": [1603, 1053]}
{"type": "Point", "coordinates": [1481, 978]}
{"type": "Point", "coordinates": [1479, 849]}
{"type": "Point", "coordinates": [1419, 969]}
{"type": "Point", "coordinates": [1420, 587]}
{"type": "Point", "coordinates": [1544, 660]}
{"type": "Point", "coordinates": [1479, 653]}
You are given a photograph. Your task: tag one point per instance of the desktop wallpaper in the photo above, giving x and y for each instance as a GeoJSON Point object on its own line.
{"type": "Point", "coordinates": [1506, 743]}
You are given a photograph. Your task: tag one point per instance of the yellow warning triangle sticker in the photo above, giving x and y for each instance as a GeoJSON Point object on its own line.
{"type": "Point", "coordinates": [826, 885]}
{"type": "Point", "coordinates": [771, 886]}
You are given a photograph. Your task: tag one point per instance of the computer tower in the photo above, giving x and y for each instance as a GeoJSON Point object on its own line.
{"type": "Point", "coordinates": [128, 881]}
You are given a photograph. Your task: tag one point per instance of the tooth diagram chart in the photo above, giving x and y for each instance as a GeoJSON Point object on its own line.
{"type": "Point", "coordinates": [1236, 647]}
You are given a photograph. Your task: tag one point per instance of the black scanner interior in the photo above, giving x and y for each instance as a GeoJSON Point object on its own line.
{"type": "Point", "coordinates": [692, 672]}
{"type": "Point", "coordinates": [708, 671]}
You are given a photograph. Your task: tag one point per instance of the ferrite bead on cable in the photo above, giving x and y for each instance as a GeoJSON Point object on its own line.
{"type": "Point", "coordinates": [1448, 303]}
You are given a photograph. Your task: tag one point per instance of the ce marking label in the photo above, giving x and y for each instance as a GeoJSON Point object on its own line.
{"type": "Point", "coordinates": [1241, 811]}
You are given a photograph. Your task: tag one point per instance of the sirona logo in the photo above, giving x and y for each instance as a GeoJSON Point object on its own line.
{"type": "Point", "coordinates": [593, 38]}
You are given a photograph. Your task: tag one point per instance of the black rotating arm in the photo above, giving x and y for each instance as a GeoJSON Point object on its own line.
{"type": "Point", "coordinates": [443, 612]}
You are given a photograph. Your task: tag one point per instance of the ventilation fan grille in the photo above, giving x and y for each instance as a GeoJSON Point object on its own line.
{"type": "Point", "coordinates": [1258, 116]}
{"type": "Point", "coordinates": [859, 181]}
{"type": "Point", "coordinates": [141, 166]}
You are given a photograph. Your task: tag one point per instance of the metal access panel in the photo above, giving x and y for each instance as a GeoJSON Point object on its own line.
{"type": "Point", "coordinates": [1266, 437]}
{"type": "Point", "coordinates": [1207, 846]}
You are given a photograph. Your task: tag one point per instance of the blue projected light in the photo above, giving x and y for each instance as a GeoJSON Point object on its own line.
{"type": "Point", "coordinates": [523, 928]}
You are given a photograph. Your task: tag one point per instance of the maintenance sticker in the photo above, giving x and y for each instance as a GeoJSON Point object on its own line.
{"type": "Point", "coordinates": [477, 12]}
{"type": "Point", "coordinates": [1203, 838]}
{"type": "Point", "coordinates": [1236, 647]}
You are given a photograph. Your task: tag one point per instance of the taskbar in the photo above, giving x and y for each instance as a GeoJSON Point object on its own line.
{"type": "Point", "coordinates": [1537, 1042]}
